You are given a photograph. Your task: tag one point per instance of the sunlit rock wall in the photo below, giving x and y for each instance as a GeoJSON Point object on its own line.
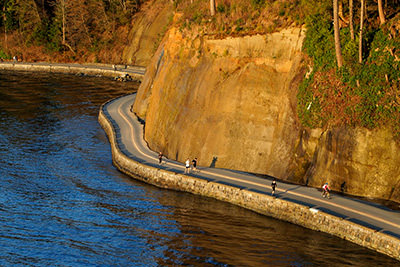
{"type": "Point", "coordinates": [230, 102]}
{"type": "Point", "coordinates": [148, 27]}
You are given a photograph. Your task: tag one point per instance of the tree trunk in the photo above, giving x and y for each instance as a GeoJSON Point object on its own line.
{"type": "Point", "coordinates": [341, 15]}
{"type": "Point", "coordinates": [338, 48]}
{"type": "Point", "coordinates": [361, 31]}
{"type": "Point", "coordinates": [63, 20]}
{"type": "Point", "coordinates": [381, 13]}
{"type": "Point", "coordinates": [5, 25]}
{"type": "Point", "coordinates": [351, 19]}
{"type": "Point", "coordinates": [212, 7]}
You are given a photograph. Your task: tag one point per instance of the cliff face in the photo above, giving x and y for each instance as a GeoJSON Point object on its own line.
{"type": "Point", "coordinates": [232, 104]}
{"type": "Point", "coordinates": [149, 26]}
{"type": "Point", "coordinates": [357, 161]}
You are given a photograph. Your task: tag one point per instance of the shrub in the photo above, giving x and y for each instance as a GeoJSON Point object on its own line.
{"type": "Point", "coordinates": [366, 95]}
{"type": "Point", "coordinates": [319, 43]}
{"type": "Point", "coordinates": [4, 55]}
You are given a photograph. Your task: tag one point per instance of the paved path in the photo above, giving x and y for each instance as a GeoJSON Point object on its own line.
{"type": "Point", "coordinates": [111, 70]}
{"type": "Point", "coordinates": [129, 131]}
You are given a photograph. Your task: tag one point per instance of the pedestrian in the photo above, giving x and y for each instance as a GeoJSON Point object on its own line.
{"type": "Point", "coordinates": [343, 187]}
{"type": "Point", "coordinates": [194, 164]}
{"type": "Point", "coordinates": [187, 166]}
{"type": "Point", "coordinates": [273, 185]}
{"type": "Point", "coordinates": [160, 154]}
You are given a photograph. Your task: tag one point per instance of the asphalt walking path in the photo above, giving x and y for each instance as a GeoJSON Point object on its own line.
{"type": "Point", "coordinates": [129, 132]}
{"type": "Point", "coordinates": [116, 68]}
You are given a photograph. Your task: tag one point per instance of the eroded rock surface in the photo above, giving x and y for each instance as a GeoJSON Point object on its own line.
{"type": "Point", "coordinates": [232, 104]}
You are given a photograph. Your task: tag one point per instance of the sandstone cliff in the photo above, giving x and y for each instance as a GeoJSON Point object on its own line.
{"type": "Point", "coordinates": [148, 28]}
{"type": "Point", "coordinates": [229, 102]}
{"type": "Point", "coordinates": [358, 161]}
{"type": "Point", "coordinates": [232, 104]}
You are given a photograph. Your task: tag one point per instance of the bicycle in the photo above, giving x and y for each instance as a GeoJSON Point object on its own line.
{"type": "Point", "coordinates": [326, 194]}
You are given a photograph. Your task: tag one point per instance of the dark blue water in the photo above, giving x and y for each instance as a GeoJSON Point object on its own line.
{"type": "Point", "coordinates": [62, 202]}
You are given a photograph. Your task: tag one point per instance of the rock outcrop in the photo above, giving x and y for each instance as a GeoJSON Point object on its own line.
{"type": "Point", "coordinates": [357, 161]}
{"type": "Point", "coordinates": [232, 104]}
{"type": "Point", "coordinates": [149, 25]}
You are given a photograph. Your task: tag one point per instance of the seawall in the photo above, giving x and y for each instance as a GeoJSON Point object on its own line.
{"type": "Point", "coordinates": [263, 204]}
{"type": "Point", "coordinates": [136, 72]}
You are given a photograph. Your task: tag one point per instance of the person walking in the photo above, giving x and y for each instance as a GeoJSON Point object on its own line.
{"type": "Point", "coordinates": [194, 164]}
{"type": "Point", "coordinates": [187, 166]}
{"type": "Point", "coordinates": [273, 185]}
{"type": "Point", "coordinates": [160, 155]}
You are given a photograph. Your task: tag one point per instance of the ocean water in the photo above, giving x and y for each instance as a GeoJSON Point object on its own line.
{"type": "Point", "coordinates": [63, 203]}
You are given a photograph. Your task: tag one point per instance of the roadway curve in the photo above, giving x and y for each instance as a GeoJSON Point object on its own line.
{"type": "Point", "coordinates": [129, 132]}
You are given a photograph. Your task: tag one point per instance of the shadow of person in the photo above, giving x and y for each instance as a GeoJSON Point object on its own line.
{"type": "Point", "coordinates": [213, 162]}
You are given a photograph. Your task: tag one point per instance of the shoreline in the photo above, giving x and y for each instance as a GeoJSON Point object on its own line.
{"type": "Point", "coordinates": [299, 214]}
{"type": "Point", "coordinates": [107, 70]}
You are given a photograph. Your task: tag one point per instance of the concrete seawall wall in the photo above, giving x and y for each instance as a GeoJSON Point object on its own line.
{"type": "Point", "coordinates": [103, 70]}
{"type": "Point", "coordinates": [260, 203]}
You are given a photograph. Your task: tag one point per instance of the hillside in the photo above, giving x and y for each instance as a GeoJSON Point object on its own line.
{"type": "Point", "coordinates": [92, 31]}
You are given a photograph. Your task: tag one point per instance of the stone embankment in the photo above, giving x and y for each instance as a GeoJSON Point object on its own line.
{"type": "Point", "coordinates": [135, 72]}
{"type": "Point", "coordinates": [260, 203]}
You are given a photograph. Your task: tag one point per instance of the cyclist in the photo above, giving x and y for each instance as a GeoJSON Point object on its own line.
{"type": "Point", "coordinates": [325, 190]}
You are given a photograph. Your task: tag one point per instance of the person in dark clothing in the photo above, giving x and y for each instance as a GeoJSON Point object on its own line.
{"type": "Point", "coordinates": [160, 155]}
{"type": "Point", "coordinates": [194, 164]}
{"type": "Point", "coordinates": [273, 185]}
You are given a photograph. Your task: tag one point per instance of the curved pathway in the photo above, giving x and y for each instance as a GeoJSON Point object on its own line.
{"type": "Point", "coordinates": [136, 72]}
{"type": "Point", "coordinates": [129, 132]}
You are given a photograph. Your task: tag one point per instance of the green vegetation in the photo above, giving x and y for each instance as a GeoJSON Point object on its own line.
{"type": "Point", "coordinates": [365, 94]}
{"type": "Point", "coordinates": [4, 55]}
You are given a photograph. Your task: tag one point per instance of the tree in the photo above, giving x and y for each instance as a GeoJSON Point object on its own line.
{"type": "Point", "coordinates": [212, 7]}
{"type": "Point", "coordinates": [29, 19]}
{"type": "Point", "coordinates": [81, 24]}
{"type": "Point", "coordinates": [338, 49]}
{"type": "Point", "coordinates": [361, 31]}
{"type": "Point", "coordinates": [60, 18]}
{"type": "Point", "coordinates": [10, 17]}
{"type": "Point", "coordinates": [5, 27]}
{"type": "Point", "coordinates": [351, 19]}
{"type": "Point", "coordinates": [381, 13]}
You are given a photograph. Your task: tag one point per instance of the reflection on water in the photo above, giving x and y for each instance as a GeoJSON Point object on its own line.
{"type": "Point", "coordinates": [62, 203]}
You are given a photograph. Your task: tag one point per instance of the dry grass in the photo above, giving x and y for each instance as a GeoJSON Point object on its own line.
{"type": "Point", "coordinates": [337, 100]}
{"type": "Point", "coordinates": [239, 17]}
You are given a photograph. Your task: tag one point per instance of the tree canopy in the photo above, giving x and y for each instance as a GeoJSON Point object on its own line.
{"type": "Point", "coordinates": [62, 25]}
